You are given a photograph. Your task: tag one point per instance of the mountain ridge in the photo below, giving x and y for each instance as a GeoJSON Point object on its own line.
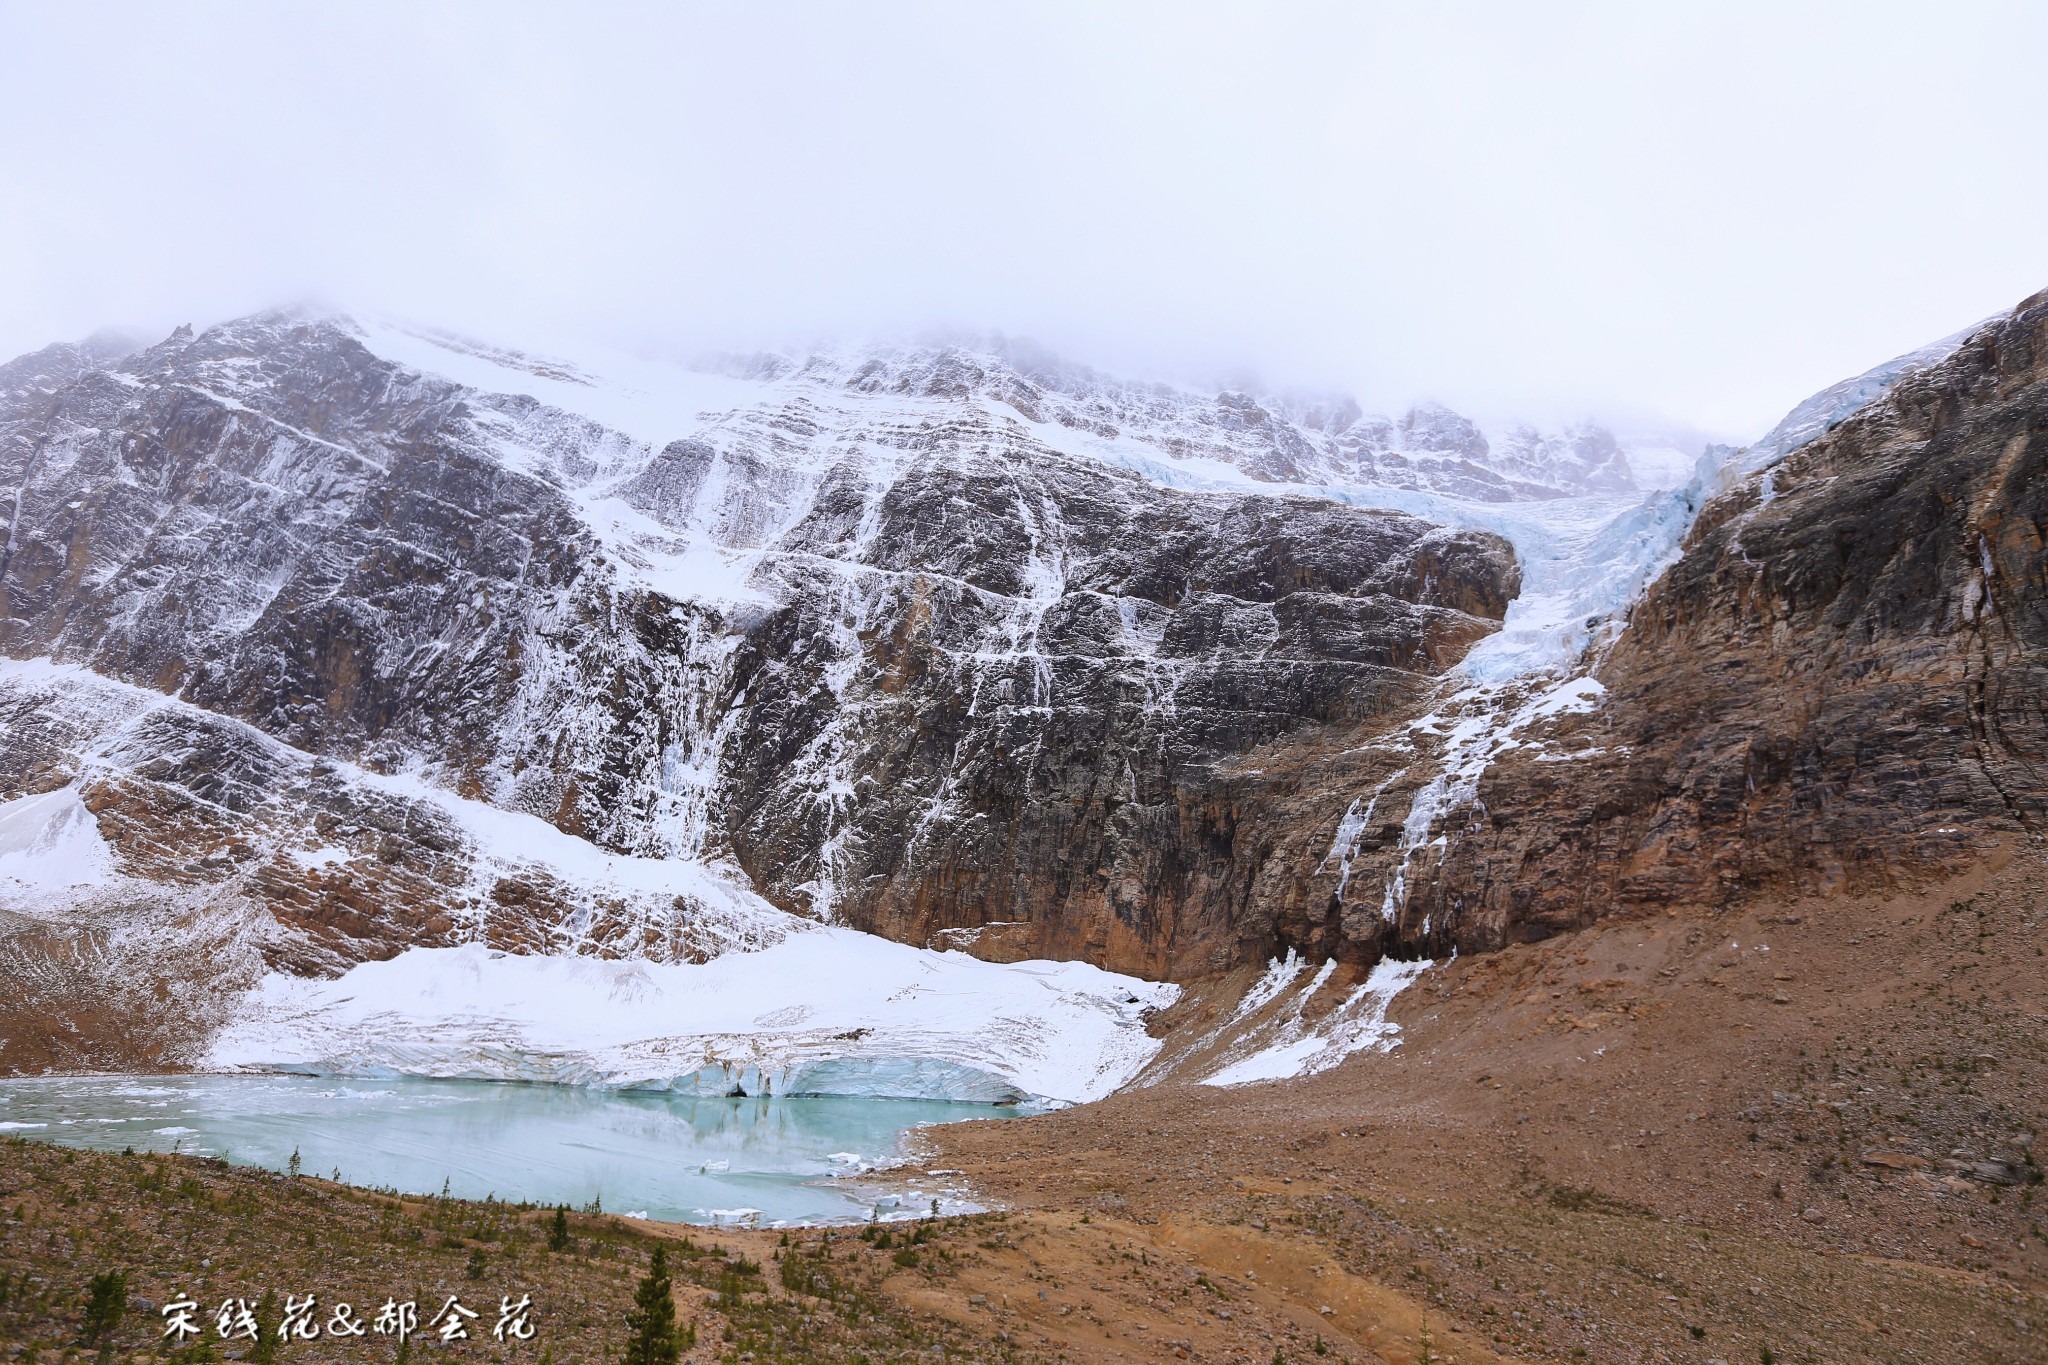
{"type": "Point", "coordinates": [865, 635]}
{"type": "Point", "coordinates": [376, 564]}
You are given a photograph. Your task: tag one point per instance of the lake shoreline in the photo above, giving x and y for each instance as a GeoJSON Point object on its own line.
{"type": "Point", "coordinates": [765, 1161]}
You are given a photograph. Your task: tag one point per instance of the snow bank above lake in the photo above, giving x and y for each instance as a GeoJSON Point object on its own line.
{"type": "Point", "coordinates": [825, 1011]}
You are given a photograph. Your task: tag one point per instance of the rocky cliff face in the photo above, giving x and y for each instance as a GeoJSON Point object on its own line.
{"type": "Point", "coordinates": [1840, 684]}
{"type": "Point", "coordinates": [1026, 722]}
{"type": "Point", "coordinates": [907, 666]}
{"type": "Point", "coordinates": [271, 524]}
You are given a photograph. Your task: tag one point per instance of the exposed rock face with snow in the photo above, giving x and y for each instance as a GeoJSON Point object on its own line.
{"type": "Point", "coordinates": [1836, 681]}
{"type": "Point", "coordinates": [1052, 672]}
{"type": "Point", "coordinates": [134, 795]}
{"type": "Point", "coordinates": [271, 524]}
{"type": "Point", "coordinates": [863, 633]}
{"type": "Point", "coordinates": [971, 648]}
{"type": "Point", "coordinates": [1314, 440]}
{"type": "Point", "coordinates": [1842, 683]}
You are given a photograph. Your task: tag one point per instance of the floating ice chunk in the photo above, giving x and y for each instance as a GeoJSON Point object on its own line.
{"type": "Point", "coordinates": [730, 1215]}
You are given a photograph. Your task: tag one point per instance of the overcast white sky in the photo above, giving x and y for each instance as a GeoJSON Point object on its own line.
{"type": "Point", "coordinates": [1703, 212]}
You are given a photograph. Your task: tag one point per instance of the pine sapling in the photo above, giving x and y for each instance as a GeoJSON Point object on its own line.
{"type": "Point", "coordinates": [106, 1296]}
{"type": "Point", "coordinates": [651, 1322]}
{"type": "Point", "coordinates": [264, 1350]}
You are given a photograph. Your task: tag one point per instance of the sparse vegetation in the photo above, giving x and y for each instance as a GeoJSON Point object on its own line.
{"type": "Point", "coordinates": [267, 1235]}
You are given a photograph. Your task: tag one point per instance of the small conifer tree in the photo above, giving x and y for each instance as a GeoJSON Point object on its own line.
{"type": "Point", "coordinates": [264, 1349]}
{"type": "Point", "coordinates": [558, 1231]}
{"type": "Point", "coordinates": [651, 1321]}
{"type": "Point", "coordinates": [106, 1296]}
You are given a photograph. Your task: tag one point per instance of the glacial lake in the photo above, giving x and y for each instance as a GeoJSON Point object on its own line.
{"type": "Point", "coordinates": [677, 1158]}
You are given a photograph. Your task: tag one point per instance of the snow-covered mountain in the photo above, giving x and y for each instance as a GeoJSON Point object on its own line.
{"type": "Point", "coordinates": [376, 641]}
{"type": "Point", "coordinates": [859, 630]}
{"type": "Point", "coordinates": [1274, 439]}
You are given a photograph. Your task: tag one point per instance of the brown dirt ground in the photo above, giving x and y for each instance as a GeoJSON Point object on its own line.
{"type": "Point", "coordinates": [1690, 1138]}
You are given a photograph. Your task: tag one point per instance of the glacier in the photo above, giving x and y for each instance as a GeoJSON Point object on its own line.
{"type": "Point", "coordinates": [864, 1017]}
{"type": "Point", "coordinates": [767, 1002]}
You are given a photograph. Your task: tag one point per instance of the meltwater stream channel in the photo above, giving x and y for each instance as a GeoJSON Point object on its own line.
{"type": "Point", "coordinates": [650, 1154]}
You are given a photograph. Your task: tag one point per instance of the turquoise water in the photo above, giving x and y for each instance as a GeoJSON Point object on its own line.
{"type": "Point", "coordinates": [663, 1156]}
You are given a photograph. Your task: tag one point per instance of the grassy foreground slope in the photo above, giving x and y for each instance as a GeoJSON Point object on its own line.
{"type": "Point", "coordinates": [179, 1226]}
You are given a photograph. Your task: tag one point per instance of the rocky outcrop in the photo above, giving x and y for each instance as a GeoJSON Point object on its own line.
{"type": "Point", "coordinates": [1050, 669]}
{"type": "Point", "coordinates": [1842, 683]}
{"type": "Point", "coordinates": [146, 807]}
{"type": "Point", "coordinates": [271, 523]}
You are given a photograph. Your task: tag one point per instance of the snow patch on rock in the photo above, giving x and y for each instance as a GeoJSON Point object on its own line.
{"type": "Point", "coordinates": [50, 845]}
{"type": "Point", "coordinates": [1294, 1047]}
{"type": "Point", "coordinates": [1475, 727]}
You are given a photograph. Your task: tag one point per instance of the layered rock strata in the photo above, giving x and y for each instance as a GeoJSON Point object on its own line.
{"type": "Point", "coordinates": [1841, 684]}
{"type": "Point", "coordinates": [874, 641]}
{"type": "Point", "coordinates": [933, 676]}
